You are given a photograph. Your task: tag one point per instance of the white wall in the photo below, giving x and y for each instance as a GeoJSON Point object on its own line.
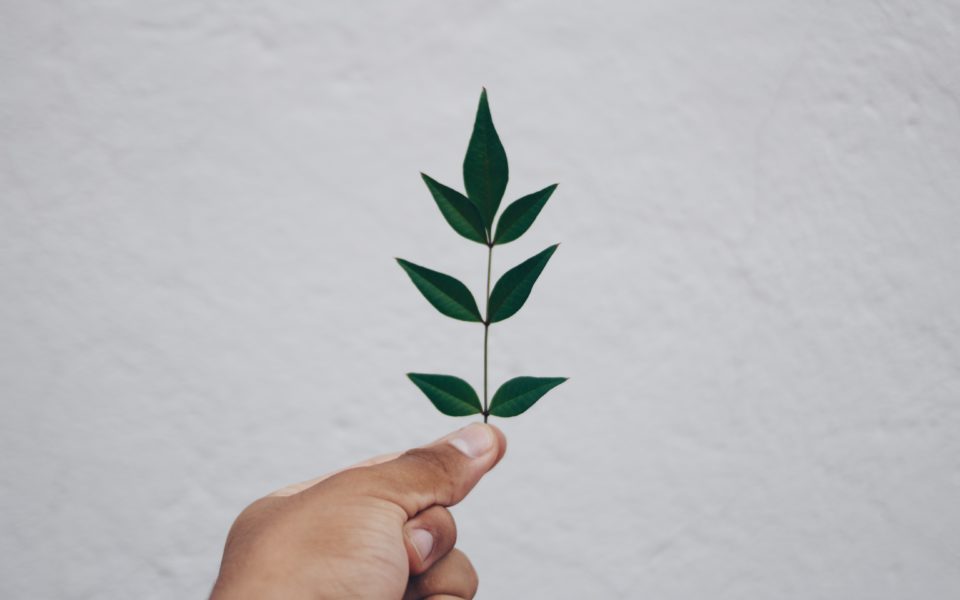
{"type": "Point", "coordinates": [757, 297]}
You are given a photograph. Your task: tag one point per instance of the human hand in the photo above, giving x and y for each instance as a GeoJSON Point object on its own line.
{"type": "Point", "coordinates": [379, 530]}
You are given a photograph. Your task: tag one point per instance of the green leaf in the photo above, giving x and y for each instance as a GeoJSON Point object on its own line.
{"type": "Point", "coordinates": [445, 293]}
{"type": "Point", "coordinates": [520, 393]}
{"type": "Point", "coordinates": [485, 171]}
{"type": "Point", "coordinates": [451, 395]}
{"type": "Point", "coordinates": [513, 289]}
{"type": "Point", "coordinates": [462, 215]}
{"type": "Point", "coordinates": [519, 216]}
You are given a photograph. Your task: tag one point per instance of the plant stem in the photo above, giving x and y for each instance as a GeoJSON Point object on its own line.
{"type": "Point", "coordinates": [486, 332]}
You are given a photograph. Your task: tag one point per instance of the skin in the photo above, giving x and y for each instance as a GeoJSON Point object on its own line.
{"type": "Point", "coordinates": [380, 529]}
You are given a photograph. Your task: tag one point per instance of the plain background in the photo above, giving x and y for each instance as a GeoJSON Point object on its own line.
{"type": "Point", "coordinates": [757, 295]}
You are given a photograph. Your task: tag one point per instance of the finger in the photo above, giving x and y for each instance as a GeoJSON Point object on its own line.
{"type": "Point", "coordinates": [429, 537]}
{"type": "Point", "coordinates": [453, 575]}
{"type": "Point", "coordinates": [296, 488]}
{"type": "Point", "coordinates": [441, 473]}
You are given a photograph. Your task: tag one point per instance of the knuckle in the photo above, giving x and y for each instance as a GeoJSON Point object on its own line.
{"type": "Point", "coordinates": [445, 524]}
{"type": "Point", "coordinates": [451, 525]}
{"type": "Point", "coordinates": [251, 519]}
{"type": "Point", "coordinates": [439, 471]}
{"type": "Point", "coordinates": [433, 461]}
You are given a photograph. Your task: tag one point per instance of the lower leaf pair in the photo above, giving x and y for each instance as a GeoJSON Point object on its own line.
{"type": "Point", "coordinates": [455, 397]}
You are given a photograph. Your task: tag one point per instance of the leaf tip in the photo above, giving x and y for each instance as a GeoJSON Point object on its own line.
{"type": "Point", "coordinates": [484, 102]}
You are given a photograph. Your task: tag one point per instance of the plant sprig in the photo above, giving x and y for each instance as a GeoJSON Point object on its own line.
{"type": "Point", "coordinates": [485, 175]}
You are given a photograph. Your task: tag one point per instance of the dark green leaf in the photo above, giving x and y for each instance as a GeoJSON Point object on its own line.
{"type": "Point", "coordinates": [451, 395]}
{"type": "Point", "coordinates": [445, 293]}
{"type": "Point", "coordinates": [462, 215]}
{"type": "Point", "coordinates": [513, 289]}
{"type": "Point", "coordinates": [485, 170]}
{"type": "Point", "coordinates": [519, 216]}
{"type": "Point", "coordinates": [520, 393]}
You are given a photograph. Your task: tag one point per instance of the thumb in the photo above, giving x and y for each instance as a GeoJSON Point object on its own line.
{"type": "Point", "coordinates": [441, 473]}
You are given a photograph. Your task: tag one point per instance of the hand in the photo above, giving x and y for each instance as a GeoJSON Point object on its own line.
{"type": "Point", "coordinates": [379, 530]}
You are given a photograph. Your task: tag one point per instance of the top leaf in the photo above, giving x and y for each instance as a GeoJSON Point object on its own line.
{"type": "Point", "coordinates": [462, 215]}
{"type": "Point", "coordinates": [485, 171]}
{"type": "Point", "coordinates": [519, 216]}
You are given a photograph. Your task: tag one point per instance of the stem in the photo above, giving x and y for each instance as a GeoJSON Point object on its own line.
{"type": "Point", "coordinates": [486, 332]}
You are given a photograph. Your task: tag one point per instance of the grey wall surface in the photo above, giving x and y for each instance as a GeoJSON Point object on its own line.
{"type": "Point", "coordinates": [757, 295]}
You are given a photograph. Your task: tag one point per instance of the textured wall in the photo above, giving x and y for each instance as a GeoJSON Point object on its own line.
{"type": "Point", "coordinates": [757, 297]}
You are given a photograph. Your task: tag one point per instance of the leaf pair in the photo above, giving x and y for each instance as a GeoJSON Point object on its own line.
{"type": "Point", "coordinates": [464, 217]}
{"type": "Point", "coordinates": [455, 397]}
{"type": "Point", "coordinates": [485, 175]}
{"type": "Point", "coordinates": [448, 295]}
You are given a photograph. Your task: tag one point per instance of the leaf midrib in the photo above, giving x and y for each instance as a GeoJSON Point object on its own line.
{"type": "Point", "coordinates": [516, 399]}
{"type": "Point", "coordinates": [447, 395]}
{"type": "Point", "coordinates": [517, 289]}
{"type": "Point", "coordinates": [441, 292]}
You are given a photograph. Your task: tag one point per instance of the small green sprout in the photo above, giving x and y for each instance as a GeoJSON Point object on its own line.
{"type": "Point", "coordinates": [485, 175]}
